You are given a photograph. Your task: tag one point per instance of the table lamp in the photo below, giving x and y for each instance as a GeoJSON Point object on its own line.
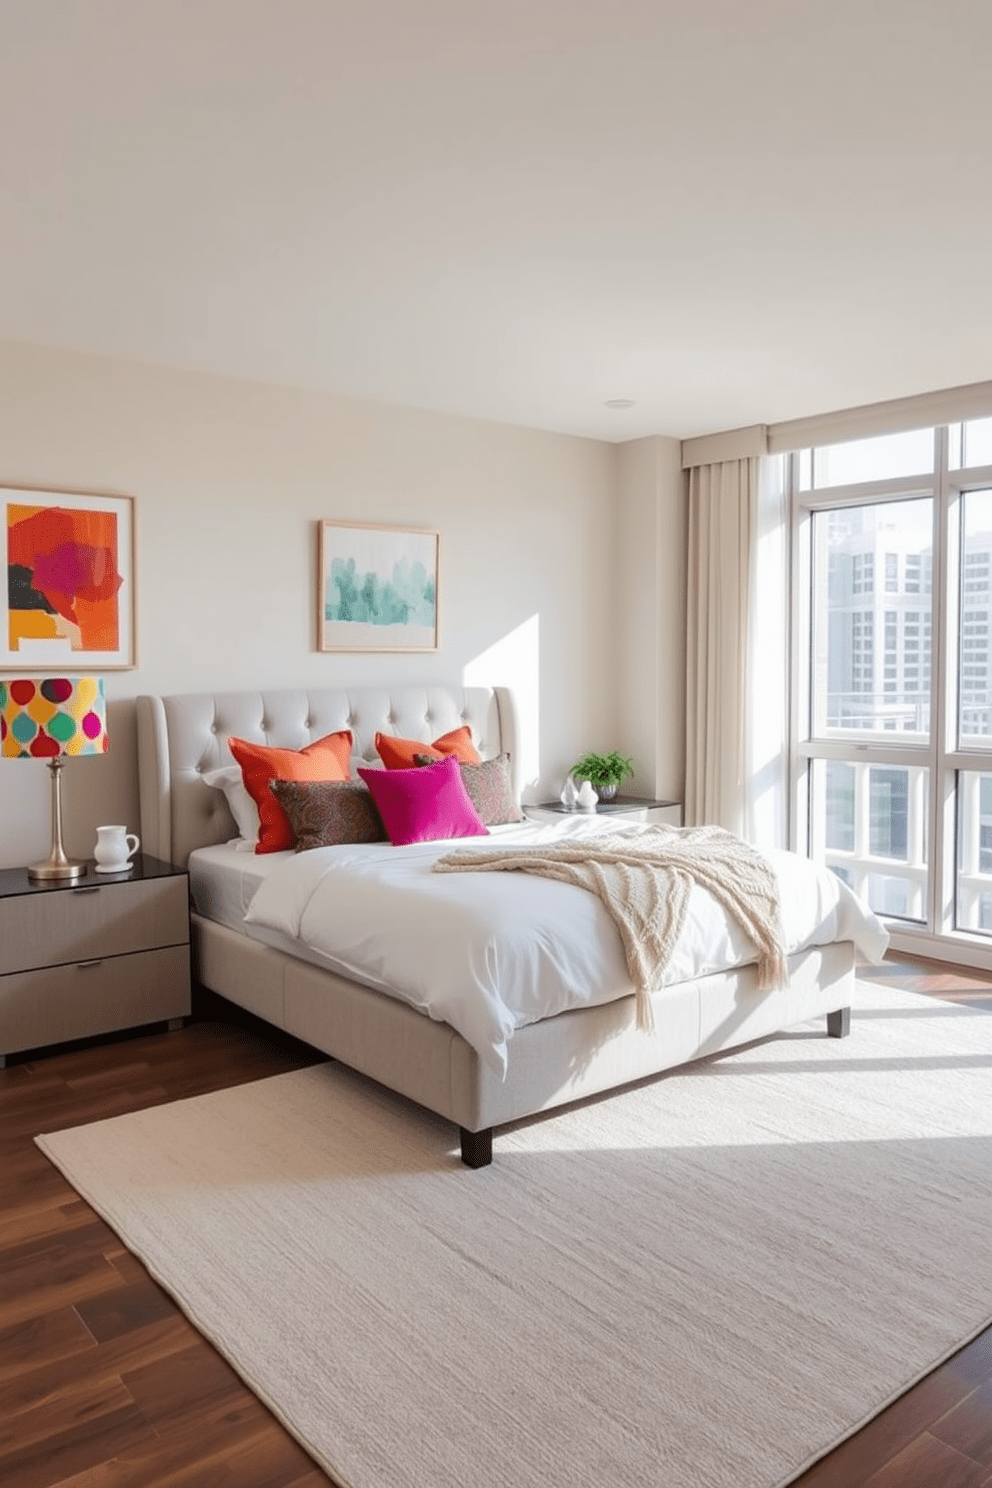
{"type": "Point", "coordinates": [50, 719]}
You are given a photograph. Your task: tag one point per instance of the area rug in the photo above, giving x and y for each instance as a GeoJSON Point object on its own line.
{"type": "Point", "coordinates": [704, 1282]}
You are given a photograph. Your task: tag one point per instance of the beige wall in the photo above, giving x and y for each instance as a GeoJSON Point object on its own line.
{"type": "Point", "coordinates": [230, 479]}
{"type": "Point", "coordinates": [651, 576]}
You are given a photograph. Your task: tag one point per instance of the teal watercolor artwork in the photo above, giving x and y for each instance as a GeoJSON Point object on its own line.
{"type": "Point", "coordinates": [378, 588]}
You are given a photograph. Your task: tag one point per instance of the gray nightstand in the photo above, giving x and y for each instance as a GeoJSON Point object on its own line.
{"type": "Point", "coordinates": [629, 807]}
{"type": "Point", "coordinates": [92, 955]}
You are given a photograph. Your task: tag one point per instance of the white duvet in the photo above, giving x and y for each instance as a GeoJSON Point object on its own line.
{"type": "Point", "coordinates": [490, 952]}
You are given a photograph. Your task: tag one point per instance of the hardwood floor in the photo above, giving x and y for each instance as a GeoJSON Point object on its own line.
{"type": "Point", "coordinates": [104, 1383]}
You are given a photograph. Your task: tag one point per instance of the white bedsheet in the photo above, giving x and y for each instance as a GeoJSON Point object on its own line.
{"type": "Point", "coordinates": [223, 880]}
{"type": "Point", "coordinates": [489, 953]}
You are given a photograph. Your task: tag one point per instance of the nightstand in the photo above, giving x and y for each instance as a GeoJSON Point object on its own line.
{"type": "Point", "coordinates": [630, 807]}
{"type": "Point", "coordinates": [92, 955]}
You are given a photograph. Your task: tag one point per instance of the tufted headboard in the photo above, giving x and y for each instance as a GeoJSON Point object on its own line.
{"type": "Point", "coordinates": [181, 736]}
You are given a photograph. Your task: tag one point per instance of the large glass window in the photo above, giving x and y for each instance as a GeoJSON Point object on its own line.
{"type": "Point", "coordinates": [971, 443]}
{"type": "Point", "coordinates": [974, 857]}
{"type": "Point", "coordinates": [892, 756]}
{"type": "Point", "coordinates": [975, 676]}
{"type": "Point", "coordinates": [869, 825]}
{"type": "Point", "coordinates": [856, 684]}
{"type": "Point", "coordinates": [883, 458]}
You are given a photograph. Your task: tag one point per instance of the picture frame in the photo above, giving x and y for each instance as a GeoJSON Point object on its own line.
{"type": "Point", "coordinates": [67, 599]}
{"type": "Point", "coordinates": [378, 587]}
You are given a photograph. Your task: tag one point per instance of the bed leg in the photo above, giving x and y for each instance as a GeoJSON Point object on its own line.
{"type": "Point", "coordinates": [477, 1147]}
{"type": "Point", "coordinates": [839, 1023]}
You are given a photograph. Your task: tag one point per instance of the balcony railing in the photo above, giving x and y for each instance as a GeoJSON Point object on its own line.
{"type": "Point", "coordinates": [907, 712]}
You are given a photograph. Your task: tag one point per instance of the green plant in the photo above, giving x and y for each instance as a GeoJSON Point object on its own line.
{"type": "Point", "coordinates": [603, 769]}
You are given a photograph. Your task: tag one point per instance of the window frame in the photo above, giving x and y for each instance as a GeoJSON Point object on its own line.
{"type": "Point", "coordinates": [942, 754]}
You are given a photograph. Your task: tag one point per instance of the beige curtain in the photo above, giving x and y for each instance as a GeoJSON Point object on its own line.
{"type": "Point", "coordinates": [737, 650]}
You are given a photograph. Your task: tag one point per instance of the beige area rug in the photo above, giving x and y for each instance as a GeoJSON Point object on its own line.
{"type": "Point", "coordinates": [708, 1280]}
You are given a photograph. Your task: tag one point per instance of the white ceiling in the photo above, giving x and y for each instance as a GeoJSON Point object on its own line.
{"type": "Point", "coordinates": [731, 213]}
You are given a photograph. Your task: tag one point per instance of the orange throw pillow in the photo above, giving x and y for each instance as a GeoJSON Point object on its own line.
{"type": "Point", "coordinates": [325, 759]}
{"type": "Point", "coordinates": [397, 754]}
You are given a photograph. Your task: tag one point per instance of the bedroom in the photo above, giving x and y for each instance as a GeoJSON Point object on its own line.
{"type": "Point", "coordinates": [232, 451]}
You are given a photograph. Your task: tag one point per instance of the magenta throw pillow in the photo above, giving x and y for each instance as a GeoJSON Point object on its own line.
{"type": "Point", "coordinates": [489, 787]}
{"type": "Point", "coordinates": [425, 805]}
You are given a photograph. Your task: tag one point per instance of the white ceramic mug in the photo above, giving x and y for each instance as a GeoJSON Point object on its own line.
{"type": "Point", "coordinates": [115, 846]}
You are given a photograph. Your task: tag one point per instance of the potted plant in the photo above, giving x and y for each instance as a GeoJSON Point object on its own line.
{"type": "Point", "coordinates": [605, 772]}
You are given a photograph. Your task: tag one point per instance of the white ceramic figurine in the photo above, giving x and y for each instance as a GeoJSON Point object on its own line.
{"type": "Point", "coordinates": [569, 797]}
{"type": "Point", "coordinates": [587, 796]}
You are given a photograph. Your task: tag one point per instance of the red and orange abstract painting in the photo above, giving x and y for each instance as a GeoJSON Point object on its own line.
{"type": "Point", "coordinates": [65, 571]}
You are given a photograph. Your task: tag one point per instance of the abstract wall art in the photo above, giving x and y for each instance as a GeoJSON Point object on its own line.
{"type": "Point", "coordinates": [378, 588]}
{"type": "Point", "coordinates": [68, 591]}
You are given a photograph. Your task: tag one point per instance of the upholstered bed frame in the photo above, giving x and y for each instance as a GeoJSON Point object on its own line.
{"type": "Point", "coordinates": [560, 1059]}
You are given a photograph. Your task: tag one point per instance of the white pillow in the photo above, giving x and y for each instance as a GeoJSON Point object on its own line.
{"type": "Point", "coordinates": [366, 764]}
{"type": "Point", "coordinates": [228, 778]}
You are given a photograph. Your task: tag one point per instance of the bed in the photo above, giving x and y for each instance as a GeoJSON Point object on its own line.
{"type": "Point", "coordinates": [581, 1051]}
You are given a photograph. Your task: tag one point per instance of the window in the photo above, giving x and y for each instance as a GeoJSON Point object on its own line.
{"type": "Point", "coordinates": [892, 775]}
{"type": "Point", "coordinates": [840, 807]}
{"type": "Point", "coordinates": [974, 694]}
{"type": "Point", "coordinates": [869, 826]}
{"type": "Point", "coordinates": [888, 799]}
{"type": "Point", "coordinates": [845, 630]}
{"type": "Point", "coordinates": [889, 455]}
{"type": "Point", "coordinates": [863, 572]}
{"type": "Point", "coordinates": [971, 444]}
{"type": "Point", "coordinates": [974, 856]}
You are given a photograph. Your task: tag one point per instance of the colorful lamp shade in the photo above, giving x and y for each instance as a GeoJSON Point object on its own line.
{"type": "Point", "coordinates": [52, 719]}
{"type": "Point", "coordinates": [58, 715]}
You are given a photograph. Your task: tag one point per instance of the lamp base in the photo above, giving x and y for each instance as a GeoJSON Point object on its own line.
{"type": "Point", "coordinates": [56, 865]}
{"type": "Point", "coordinates": [52, 869]}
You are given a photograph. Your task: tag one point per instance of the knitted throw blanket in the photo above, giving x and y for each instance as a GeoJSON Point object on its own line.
{"type": "Point", "coordinates": [645, 880]}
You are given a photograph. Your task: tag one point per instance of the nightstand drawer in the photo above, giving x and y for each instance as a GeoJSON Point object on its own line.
{"type": "Point", "coordinates": [112, 919]}
{"type": "Point", "coordinates": [67, 1002]}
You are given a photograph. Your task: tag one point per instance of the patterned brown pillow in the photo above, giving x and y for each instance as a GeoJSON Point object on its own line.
{"type": "Point", "coordinates": [329, 813]}
{"type": "Point", "coordinates": [489, 787]}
